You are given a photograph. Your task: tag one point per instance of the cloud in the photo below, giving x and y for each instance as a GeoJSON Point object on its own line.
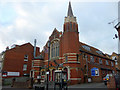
{"type": "Point", "coordinates": [36, 20]}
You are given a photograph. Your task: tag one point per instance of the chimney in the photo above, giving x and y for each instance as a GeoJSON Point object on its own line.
{"type": "Point", "coordinates": [34, 54]}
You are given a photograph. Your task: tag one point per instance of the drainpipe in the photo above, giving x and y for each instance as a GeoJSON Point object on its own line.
{"type": "Point", "coordinates": [87, 65]}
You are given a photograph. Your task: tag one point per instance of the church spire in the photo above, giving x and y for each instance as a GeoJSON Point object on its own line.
{"type": "Point", "coordinates": [70, 17]}
{"type": "Point", "coordinates": [70, 13]}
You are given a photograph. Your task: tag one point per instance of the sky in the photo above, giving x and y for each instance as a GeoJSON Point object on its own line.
{"type": "Point", "coordinates": [23, 21]}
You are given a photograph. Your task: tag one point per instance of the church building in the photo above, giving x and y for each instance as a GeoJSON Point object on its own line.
{"type": "Point", "coordinates": [64, 51]}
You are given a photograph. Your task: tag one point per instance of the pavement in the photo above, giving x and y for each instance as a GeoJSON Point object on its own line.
{"type": "Point", "coordinates": [77, 86]}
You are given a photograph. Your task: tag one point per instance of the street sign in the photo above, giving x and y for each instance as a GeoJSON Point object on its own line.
{"type": "Point", "coordinates": [13, 73]}
{"type": "Point", "coordinates": [94, 72]}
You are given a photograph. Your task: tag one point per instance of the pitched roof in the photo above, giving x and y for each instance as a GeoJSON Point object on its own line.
{"type": "Point", "coordinates": [91, 50]}
{"type": "Point", "coordinates": [70, 13]}
{"type": "Point", "coordinates": [18, 46]}
{"type": "Point", "coordinates": [55, 33]}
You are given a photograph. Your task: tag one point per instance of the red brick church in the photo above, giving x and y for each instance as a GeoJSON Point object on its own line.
{"type": "Point", "coordinates": [63, 51]}
{"type": "Point", "coordinates": [67, 53]}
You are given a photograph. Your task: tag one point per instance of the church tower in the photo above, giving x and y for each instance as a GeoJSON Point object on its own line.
{"type": "Point", "coordinates": [70, 33]}
{"type": "Point", "coordinates": [69, 46]}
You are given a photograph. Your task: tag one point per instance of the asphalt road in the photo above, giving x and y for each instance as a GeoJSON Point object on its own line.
{"type": "Point", "coordinates": [92, 86]}
{"type": "Point", "coordinates": [89, 85]}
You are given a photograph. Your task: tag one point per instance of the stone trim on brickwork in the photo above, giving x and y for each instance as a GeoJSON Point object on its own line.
{"type": "Point", "coordinates": [69, 54]}
{"type": "Point", "coordinates": [72, 59]}
{"type": "Point", "coordinates": [61, 57]}
{"type": "Point", "coordinates": [75, 78]}
{"type": "Point", "coordinates": [55, 39]}
{"type": "Point", "coordinates": [72, 56]}
{"type": "Point", "coordinates": [45, 60]}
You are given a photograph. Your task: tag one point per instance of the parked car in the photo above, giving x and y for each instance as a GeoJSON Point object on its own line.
{"type": "Point", "coordinates": [106, 78]}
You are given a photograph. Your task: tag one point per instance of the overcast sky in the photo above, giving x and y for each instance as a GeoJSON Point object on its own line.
{"type": "Point", "coordinates": [22, 22]}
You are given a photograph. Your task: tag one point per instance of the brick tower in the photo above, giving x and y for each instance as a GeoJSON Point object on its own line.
{"type": "Point", "coordinates": [70, 33]}
{"type": "Point", "coordinates": [69, 47]}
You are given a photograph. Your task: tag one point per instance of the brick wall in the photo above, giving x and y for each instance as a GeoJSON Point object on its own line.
{"type": "Point", "coordinates": [14, 59]}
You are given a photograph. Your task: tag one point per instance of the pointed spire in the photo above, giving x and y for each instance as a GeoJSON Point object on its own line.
{"type": "Point", "coordinates": [70, 13]}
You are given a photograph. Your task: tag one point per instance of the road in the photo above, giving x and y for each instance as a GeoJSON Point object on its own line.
{"type": "Point", "coordinates": [89, 85]}
{"type": "Point", "coordinates": [77, 86]}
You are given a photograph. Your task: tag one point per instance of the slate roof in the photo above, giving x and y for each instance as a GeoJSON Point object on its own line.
{"type": "Point", "coordinates": [92, 51]}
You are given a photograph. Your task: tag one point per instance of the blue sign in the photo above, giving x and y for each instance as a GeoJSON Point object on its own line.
{"type": "Point", "coordinates": [94, 72]}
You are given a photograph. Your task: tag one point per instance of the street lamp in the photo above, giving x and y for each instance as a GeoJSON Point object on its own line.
{"type": "Point", "coordinates": [48, 64]}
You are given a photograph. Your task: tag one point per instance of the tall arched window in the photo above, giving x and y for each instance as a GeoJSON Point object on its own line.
{"type": "Point", "coordinates": [58, 49]}
{"type": "Point", "coordinates": [52, 50]}
{"type": "Point", "coordinates": [55, 49]}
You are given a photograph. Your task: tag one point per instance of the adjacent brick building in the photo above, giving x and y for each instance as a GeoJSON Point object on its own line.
{"type": "Point", "coordinates": [115, 57]}
{"type": "Point", "coordinates": [17, 60]}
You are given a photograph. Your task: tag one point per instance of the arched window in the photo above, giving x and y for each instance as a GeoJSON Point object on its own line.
{"type": "Point", "coordinates": [58, 50]}
{"type": "Point", "coordinates": [55, 49]}
{"type": "Point", "coordinates": [52, 50]}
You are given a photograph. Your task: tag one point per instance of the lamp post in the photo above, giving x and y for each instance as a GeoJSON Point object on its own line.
{"type": "Point", "coordinates": [48, 64]}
